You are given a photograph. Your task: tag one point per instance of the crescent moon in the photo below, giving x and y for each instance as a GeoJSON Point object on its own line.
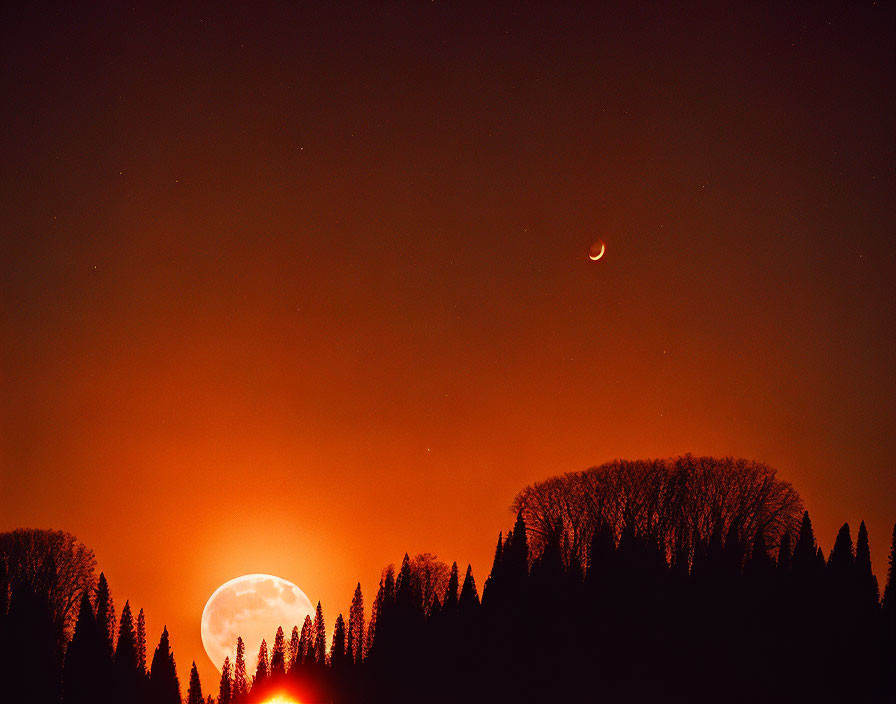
{"type": "Point", "coordinates": [595, 257]}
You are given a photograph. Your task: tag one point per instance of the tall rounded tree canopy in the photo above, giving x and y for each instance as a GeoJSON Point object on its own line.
{"type": "Point", "coordinates": [54, 565]}
{"type": "Point", "coordinates": [677, 503]}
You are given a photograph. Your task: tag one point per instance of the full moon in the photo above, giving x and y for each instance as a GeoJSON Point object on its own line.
{"type": "Point", "coordinates": [597, 250]}
{"type": "Point", "coordinates": [253, 607]}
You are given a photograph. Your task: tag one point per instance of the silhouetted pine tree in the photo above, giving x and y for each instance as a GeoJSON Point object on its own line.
{"type": "Point", "coordinates": [163, 683]}
{"type": "Point", "coordinates": [84, 659]}
{"type": "Point", "coordinates": [469, 597]}
{"type": "Point", "coordinates": [306, 641]}
{"type": "Point", "coordinates": [867, 589]}
{"type": "Point", "coordinates": [320, 637]}
{"type": "Point", "coordinates": [804, 552]}
{"type": "Point", "coordinates": [381, 634]}
{"type": "Point", "coordinates": [355, 641]}
{"type": "Point", "coordinates": [338, 658]}
{"type": "Point", "coordinates": [128, 677]}
{"type": "Point", "coordinates": [516, 553]}
{"type": "Point", "coordinates": [841, 560]}
{"type": "Point", "coordinates": [278, 654]}
{"type": "Point", "coordinates": [452, 591]}
{"type": "Point", "coordinates": [141, 642]}
{"type": "Point", "coordinates": [194, 692]}
{"type": "Point", "coordinates": [294, 649]}
{"type": "Point", "coordinates": [889, 599]}
{"type": "Point", "coordinates": [262, 670]}
{"type": "Point", "coordinates": [240, 676]}
{"type": "Point", "coordinates": [493, 583]}
{"type": "Point", "coordinates": [105, 613]}
{"type": "Point", "coordinates": [225, 688]}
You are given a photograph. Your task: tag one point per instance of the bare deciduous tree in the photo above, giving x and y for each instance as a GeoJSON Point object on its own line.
{"type": "Point", "coordinates": [678, 503]}
{"type": "Point", "coordinates": [52, 563]}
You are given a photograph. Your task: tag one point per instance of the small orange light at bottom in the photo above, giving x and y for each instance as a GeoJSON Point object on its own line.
{"type": "Point", "coordinates": [281, 699]}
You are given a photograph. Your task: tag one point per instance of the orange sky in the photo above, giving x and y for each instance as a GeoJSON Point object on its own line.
{"type": "Point", "coordinates": [295, 293]}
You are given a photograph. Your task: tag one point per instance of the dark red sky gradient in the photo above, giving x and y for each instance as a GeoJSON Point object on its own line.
{"type": "Point", "coordinates": [296, 291]}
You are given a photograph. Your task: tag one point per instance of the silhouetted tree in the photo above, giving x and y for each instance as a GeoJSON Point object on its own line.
{"type": "Point", "coordinates": [338, 656]}
{"type": "Point", "coordinates": [85, 660]}
{"type": "Point", "coordinates": [355, 644]}
{"type": "Point", "coordinates": [194, 692]}
{"type": "Point", "coordinates": [516, 551]}
{"type": "Point", "coordinates": [294, 648]}
{"type": "Point", "coordinates": [55, 565]}
{"type": "Point", "coordinates": [449, 605]}
{"type": "Point", "coordinates": [320, 637]}
{"type": "Point", "coordinates": [804, 552]}
{"type": "Point", "coordinates": [889, 599]}
{"type": "Point", "coordinates": [429, 577]}
{"type": "Point", "coordinates": [278, 654]}
{"type": "Point", "coordinates": [128, 675]}
{"type": "Point", "coordinates": [141, 642]}
{"type": "Point", "coordinates": [867, 588]}
{"type": "Point", "coordinates": [225, 688]}
{"type": "Point", "coordinates": [671, 501]}
{"type": "Point", "coordinates": [841, 559]}
{"type": "Point", "coordinates": [240, 677]}
{"type": "Point", "coordinates": [469, 598]}
{"type": "Point", "coordinates": [163, 683]}
{"type": "Point", "coordinates": [105, 613]}
{"type": "Point", "coordinates": [306, 641]}
{"type": "Point", "coordinates": [262, 669]}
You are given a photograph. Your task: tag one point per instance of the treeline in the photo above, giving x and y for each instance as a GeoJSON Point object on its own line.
{"type": "Point", "coordinates": [622, 599]}
{"type": "Point", "coordinates": [737, 624]}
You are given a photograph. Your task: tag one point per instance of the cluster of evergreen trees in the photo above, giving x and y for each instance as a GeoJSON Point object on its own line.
{"type": "Point", "coordinates": [104, 663]}
{"type": "Point", "coordinates": [735, 621]}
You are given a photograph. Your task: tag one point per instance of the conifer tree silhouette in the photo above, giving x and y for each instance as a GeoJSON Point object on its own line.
{"type": "Point", "coordinates": [262, 669]}
{"type": "Point", "coordinates": [194, 691]}
{"type": "Point", "coordinates": [888, 670]}
{"type": "Point", "coordinates": [355, 640]}
{"type": "Point", "coordinates": [469, 597]}
{"type": "Point", "coordinates": [306, 641]}
{"type": "Point", "coordinates": [240, 676]}
{"type": "Point", "coordinates": [449, 605]}
{"type": "Point", "coordinates": [84, 659]}
{"type": "Point", "coordinates": [163, 683]}
{"type": "Point", "coordinates": [225, 688]}
{"type": "Point", "coordinates": [841, 559]}
{"type": "Point", "coordinates": [105, 613]}
{"type": "Point", "coordinates": [867, 588]}
{"type": "Point", "coordinates": [141, 642]}
{"type": "Point", "coordinates": [128, 677]}
{"type": "Point", "coordinates": [804, 552]}
{"type": "Point", "coordinates": [494, 580]}
{"type": "Point", "coordinates": [320, 637]}
{"type": "Point", "coordinates": [294, 649]}
{"type": "Point", "coordinates": [889, 599]}
{"type": "Point", "coordinates": [278, 654]}
{"type": "Point", "coordinates": [517, 551]}
{"type": "Point", "coordinates": [337, 649]}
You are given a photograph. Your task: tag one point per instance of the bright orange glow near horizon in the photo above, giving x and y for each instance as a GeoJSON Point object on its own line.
{"type": "Point", "coordinates": [294, 290]}
{"type": "Point", "coordinates": [281, 699]}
